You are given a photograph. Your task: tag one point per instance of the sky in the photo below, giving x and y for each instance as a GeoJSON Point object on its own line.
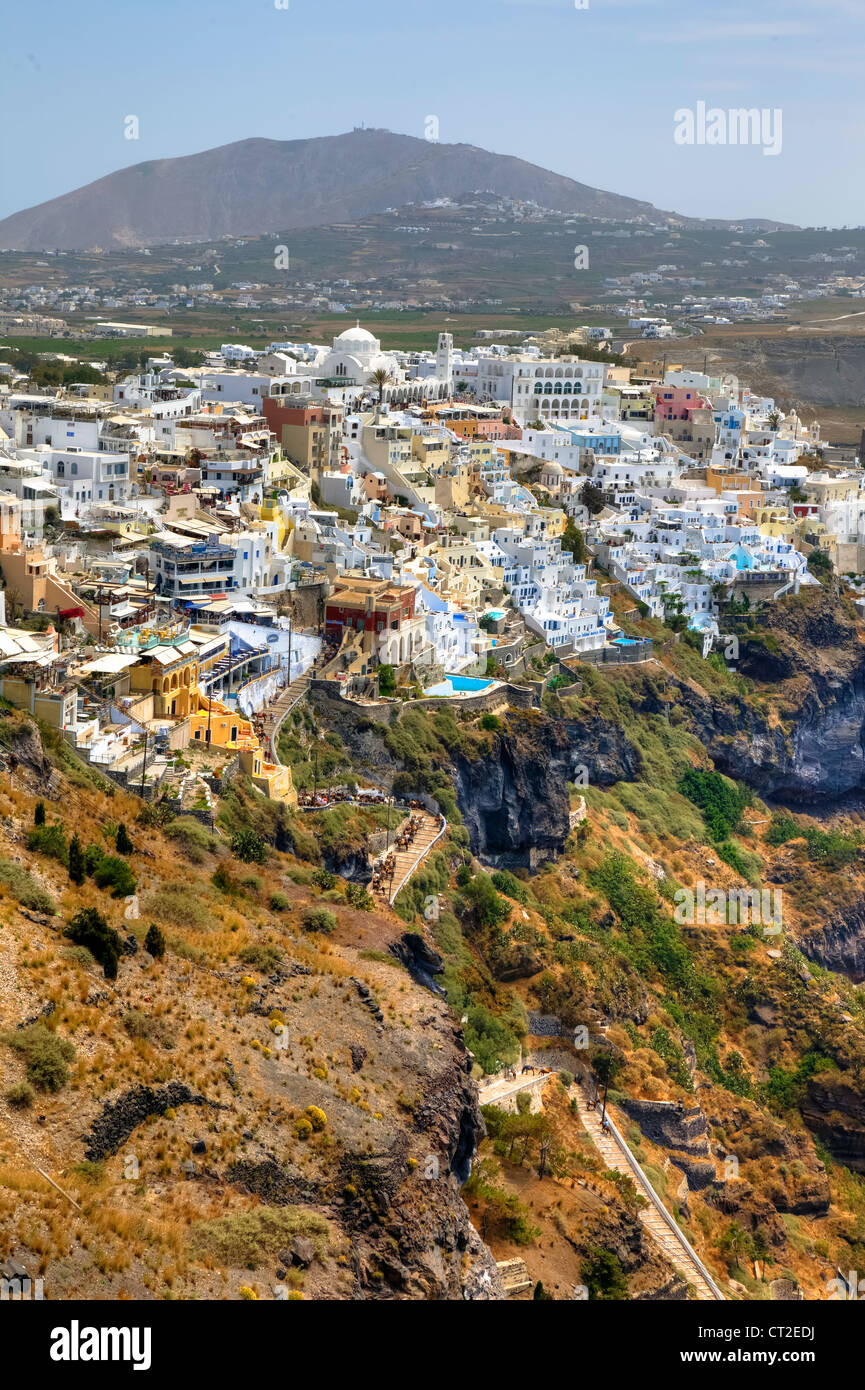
{"type": "Point", "coordinates": [593, 89]}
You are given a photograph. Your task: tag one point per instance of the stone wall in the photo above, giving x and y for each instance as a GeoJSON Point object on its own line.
{"type": "Point", "coordinates": [504, 694]}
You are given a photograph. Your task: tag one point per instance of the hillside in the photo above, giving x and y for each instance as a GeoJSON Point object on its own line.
{"type": "Point", "coordinates": [260, 186]}
{"type": "Point", "coordinates": [201, 1151]}
{"type": "Point", "coordinates": [285, 1102]}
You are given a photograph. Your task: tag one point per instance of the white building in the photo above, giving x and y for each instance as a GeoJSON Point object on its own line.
{"type": "Point", "coordinates": [545, 389]}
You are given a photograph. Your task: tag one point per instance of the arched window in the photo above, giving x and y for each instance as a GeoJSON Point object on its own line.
{"type": "Point", "coordinates": [539, 388]}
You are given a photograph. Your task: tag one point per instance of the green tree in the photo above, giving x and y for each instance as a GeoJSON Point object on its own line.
{"type": "Point", "coordinates": [593, 498]}
{"type": "Point", "coordinates": [603, 1276]}
{"type": "Point", "coordinates": [574, 541]}
{"type": "Point", "coordinates": [123, 843]}
{"type": "Point", "coordinates": [77, 868]}
{"type": "Point", "coordinates": [248, 847]}
{"type": "Point", "coordinates": [89, 928]}
{"type": "Point", "coordinates": [820, 564]}
{"type": "Point", "coordinates": [39, 813]}
{"type": "Point", "coordinates": [380, 378]}
{"type": "Point", "coordinates": [154, 942]}
{"type": "Point", "coordinates": [386, 680]}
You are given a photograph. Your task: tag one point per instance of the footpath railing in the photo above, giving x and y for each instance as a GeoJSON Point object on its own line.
{"type": "Point", "coordinates": [418, 861]}
{"type": "Point", "coordinates": [649, 1191]}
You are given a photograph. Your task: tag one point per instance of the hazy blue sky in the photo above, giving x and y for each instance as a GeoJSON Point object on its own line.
{"type": "Point", "coordinates": [590, 93]}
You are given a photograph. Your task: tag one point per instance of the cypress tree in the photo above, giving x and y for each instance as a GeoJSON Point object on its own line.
{"type": "Point", "coordinates": [77, 868]}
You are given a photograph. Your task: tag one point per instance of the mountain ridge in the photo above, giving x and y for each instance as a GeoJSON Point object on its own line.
{"type": "Point", "coordinates": [251, 186]}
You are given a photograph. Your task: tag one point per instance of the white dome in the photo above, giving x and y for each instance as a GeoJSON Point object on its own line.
{"type": "Point", "coordinates": [356, 335]}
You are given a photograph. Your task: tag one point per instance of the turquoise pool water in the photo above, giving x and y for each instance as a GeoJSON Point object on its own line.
{"type": "Point", "coordinates": [459, 685]}
{"type": "Point", "coordinates": [468, 683]}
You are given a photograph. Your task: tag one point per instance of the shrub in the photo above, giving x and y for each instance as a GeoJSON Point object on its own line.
{"type": "Point", "coordinates": [21, 1095]}
{"type": "Point", "coordinates": [123, 843]}
{"type": "Point", "coordinates": [322, 878]}
{"type": "Point", "coordinates": [280, 902]}
{"type": "Point", "coordinates": [24, 887]}
{"type": "Point", "coordinates": [567, 1079]}
{"type": "Point", "coordinates": [316, 1117]}
{"type": "Point", "coordinates": [359, 897]}
{"type": "Point", "coordinates": [491, 722]}
{"type": "Point", "coordinates": [602, 1274]}
{"type": "Point", "coordinates": [319, 919]}
{"type": "Point", "coordinates": [50, 840]}
{"type": "Point", "coordinates": [303, 1129]}
{"type": "Point", "coordinates": [115, 874]}
{"type": "Point", "coordinates": [490, 1039]}
{"type": "Point", "coordinates": [179, 902]}
{"type": "Point", "coordinates": [93, 857]}
{"type": "Point", "coordinates": [488, 909]}
{"type": "Point", "coordinates": [154, 942]}
{"type": "Point", "coordinates": [222, 879]}
{"type": "Point", "coordinates": [89, 928]}
{"type": "Point", "coordinates": [261, 957]}
{"type": "Point", "coordinates": [45, 1055]}
{"type": "Point", "coordinates": [249, 847]}
{"type": "Point", "coordinates": [246, 1239]}
{"type": "Point", "coordinates": [193, 838]}
{"type": "Point", "coordinates": [781, 829]}
{"type": "Point", "coordinates": [721, 801]}
{"type": "Point", "coordinates": [506, 883]}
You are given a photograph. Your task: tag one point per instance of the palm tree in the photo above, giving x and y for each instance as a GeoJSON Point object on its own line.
{"type": "Point", "coordinates": [381, 378]}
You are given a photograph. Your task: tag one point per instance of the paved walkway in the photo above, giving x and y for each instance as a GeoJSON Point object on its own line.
{"type": "Point", "coordinates": [661, 1228]}
{"type": "Point", "coordinates": [656, 1220]}
{"type": "Point", "coordinates": [408, 861]}
{"type": "Point", "coordinates": [277, 712]}
{"type": "Point", "coordinates": [502, 1087]}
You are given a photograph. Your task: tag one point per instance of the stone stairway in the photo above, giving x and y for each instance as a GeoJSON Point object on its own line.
{"type": "Point", "coordinates": [408, 861]}
{"type": "Point", "coordinates": [277, 712]}
{"type": "Point", "coordinates": [673, 1245]}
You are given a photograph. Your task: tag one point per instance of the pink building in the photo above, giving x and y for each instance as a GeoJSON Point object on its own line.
{"type": "Point", "coordinates": [677, 402]}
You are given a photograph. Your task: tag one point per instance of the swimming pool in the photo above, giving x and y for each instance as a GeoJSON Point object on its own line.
{"type": "Point", "coordinates": [459, 685]}
{"type": "Point", "coordinates": [468, 683]}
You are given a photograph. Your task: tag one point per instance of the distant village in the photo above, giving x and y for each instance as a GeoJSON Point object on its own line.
{"type": "Point", "coordinates": [185, 547]}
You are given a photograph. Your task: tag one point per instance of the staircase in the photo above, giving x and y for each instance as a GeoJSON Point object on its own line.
{"type": "Point", "coordinates": [661, 1228]}
{"type": "Point", "coordinates": [280, 709]}
{"type": "Point", "coordinates": [408, 861]}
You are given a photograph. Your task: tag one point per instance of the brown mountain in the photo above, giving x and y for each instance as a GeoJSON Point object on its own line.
{"type": "Point", "coordinates": [256, 186]}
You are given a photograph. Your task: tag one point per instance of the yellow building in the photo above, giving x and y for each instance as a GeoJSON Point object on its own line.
{"type": "Point", "coordinates": [172, 674]}
{"type": "Point", "coordinates": [775, 521]}
{"type": "Point", "coordinates": [218, 725]}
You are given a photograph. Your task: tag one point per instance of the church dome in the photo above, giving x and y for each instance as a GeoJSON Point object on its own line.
{"type": "Point", "coordinates": [356, 335]}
